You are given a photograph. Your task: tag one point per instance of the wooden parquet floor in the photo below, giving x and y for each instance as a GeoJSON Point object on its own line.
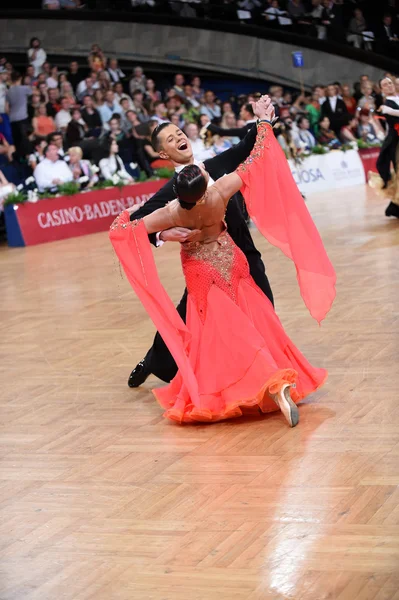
{"type": "Point", "coordinates": [102, 499]}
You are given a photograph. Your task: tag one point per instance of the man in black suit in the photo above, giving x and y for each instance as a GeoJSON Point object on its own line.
{"type": "Point", "coordinates": [388, 151]}
{"type": "Point", "coordinates": [246, 114]}
{"type": "Point", "coordinates": [387, 41]}
{"type": "Point", "coordinates": [172, 144]}
{"type": "Point", "coordinates": [335, 109]}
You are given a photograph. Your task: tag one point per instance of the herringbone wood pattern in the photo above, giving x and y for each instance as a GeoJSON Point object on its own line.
{"type": "Point", "coordinates": [102, 499]}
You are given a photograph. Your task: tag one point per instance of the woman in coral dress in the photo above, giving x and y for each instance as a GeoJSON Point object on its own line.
{"type": "Point", "coordinates": [233, 352]}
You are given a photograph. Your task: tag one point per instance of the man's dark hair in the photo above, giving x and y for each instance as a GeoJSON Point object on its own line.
{"type": "Point", "coordinates": [38, 140]}
{"type": "Point", "coordinates": [52, 135]}
{"type": "Point", "coordinates": [301, 119]}
{"type": "Point", "coordinates": [155, 135]}
{"type": "Point", "coordinates": [116, 116]}
{"type": "Point", "coordinates": [15, 76]}
{"type": "Point", "coordinates": [136, 93]}
{"type": "Point", "coordinates": [190, 186]}
{"type": "Point", "coordinates": [249, 109]}
{"type": "Point", "coordinates": [34, 39]}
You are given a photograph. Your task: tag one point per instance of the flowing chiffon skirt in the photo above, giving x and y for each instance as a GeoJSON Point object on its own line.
{"type": "Point", "coordinates": [239, 351]}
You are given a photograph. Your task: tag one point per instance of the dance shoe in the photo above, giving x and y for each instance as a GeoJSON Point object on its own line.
{"type": "Point", "coordinates": [139, 375]}
{"type": "Point", "coordinates": [392, 210]}
{"type": "Point", "coordinates": [286, 405]}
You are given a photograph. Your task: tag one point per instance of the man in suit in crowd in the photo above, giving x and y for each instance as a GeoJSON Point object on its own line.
{"type": "Point", "coordinates": [172, 144]}
{"type": "Point", "coordinates": [335, 109]}
{"type": "Point", "coordinates": [246, 114]}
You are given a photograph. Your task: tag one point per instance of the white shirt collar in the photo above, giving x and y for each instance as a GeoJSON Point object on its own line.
{"type": "Point", "coordinates": [393, 98]}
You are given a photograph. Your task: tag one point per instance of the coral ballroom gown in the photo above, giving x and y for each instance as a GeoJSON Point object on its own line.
{"type": "Point", "coordinates": [233, 351]}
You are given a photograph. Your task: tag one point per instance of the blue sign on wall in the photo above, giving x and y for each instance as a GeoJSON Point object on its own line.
{"type": "Point", "coordinates": [297, 60]}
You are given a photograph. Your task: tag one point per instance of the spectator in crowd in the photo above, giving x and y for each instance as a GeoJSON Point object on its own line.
{"type": "Point", "coordinates": [91, 117]}
{"type": "Point", "coordinates": [349, 130]}
{"type": "Point", "coordinates": [138, 106]}
{"type": "Point", "coordinates": [131, 122]}
{"type": "Point", "coordinates": [368, 100]}
{"type": "Point", "coordinates": [334, 108]}
{"type": "Point", "coordinates": [17, 98]}
{"type": "Point", "coordinates": [113, 165]}
{"type": "Point", "coordinates": [81, 169]}
{"type": "Point", "coordinates": [53, 105]}
{"type": "Point", "coordinates": [210, 108]}
{"type": "Point", "coordinates": [178, 87]}
{"type": "Point", "coordinates": [39, 144]}
{"type": "Point", "coordinates": [76, 129]}
{"type": "Point", "coordinates": [115, 73]}
{"type": "Point", "coordinates": [109, 107]}
{"type": "Point", "coordinates": [87, 87]}
{"type": "Point", "coordinates": [74, 76]}
{"type": "Point", "coordinates": [326, 136]}
{"type": "Point", "coordinates": [200, 151]}
{"type": "Point", "coordinates": [36, 56]}
{"type": "Point", "coordinates": [51, 171]}
{"type": "Point", "coordinates": [369, 129]}
{"type": "Point", "coordinates": [229, 121]}
{"type": "Point", "coordinates": [42, 123]}
{"type": "Point", "coordinates": [63, 116]}
{"type": "Point", "coordinates": [138, 81]}
{"type": "Point", "coordinates": [6, 150]}
{"type": "Point", "coordinates": [57, 140]}
{"type": "Point", "coordinates": [52, 81]}
{"type": "Point", "coordinates": [198, 92]}
{"type": "Point", "coordinates": [6, 189]}
{"type": "Point", "coordinates": [5, 125]}
{"type": "Point", "coordinates": [159, 112]}
{"type": "Point", "coordinates": [349, 100]}
{"type": "Point", "coordinates": [313, 110]}
{"type": "Point", "coordinates": [151, 92]}
{"type": "Point", "coordinates": [120, 95]}
{"type": "Point", "coordinates": [387, 37]}
{"type": "Point", "coordinates": [220, 144]}
{"type": "Point", "coordinates": [96, 59]}
{"type": "Point", "coordinates": [303, 138]}
{"type": "Point", "coordinates": [357, 26]}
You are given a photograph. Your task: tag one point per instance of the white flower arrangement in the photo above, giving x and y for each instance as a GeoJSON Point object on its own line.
{"type": "Point", "coordinates": [20, 187]}
{"type": "Point", "coordinates": [83, 179]}
{"type": "Point", "coordinates": [94, 169]}
{"type": "Point", "coordinates": [33, 195]}
{"type": "Point", "coordinates": [30, 180]}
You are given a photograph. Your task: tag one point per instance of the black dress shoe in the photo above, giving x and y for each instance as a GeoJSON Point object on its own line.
{"type": "Point", "coordinates": [139, 374]}
{"type": "Point", "coordinates": [392, 210]}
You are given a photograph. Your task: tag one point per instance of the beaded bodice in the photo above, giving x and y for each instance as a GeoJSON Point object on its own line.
{"type": "Point", "coordinates": [220, 263]}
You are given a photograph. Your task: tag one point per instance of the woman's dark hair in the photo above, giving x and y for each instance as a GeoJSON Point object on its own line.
{"type": "Point", "coordinates": [190, 185]}
{"type": "Point", "coordinates": [34, 39]}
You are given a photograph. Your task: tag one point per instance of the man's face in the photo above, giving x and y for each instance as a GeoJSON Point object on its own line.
{"type": "Point", "coordinates": [36, 43]}
{"type": "Point", "coordinates": [138, 72]}
{"type": "Point", "coordinates": [89, 83]}
{"type": "Point", "coordinates": [30, 72]}
{"type": "Point", "coordinates": [113, 64]}
{"type": "Point", "coordinates": [125, 104]}
{"type": "Point", "coordinates": [74, 66]}
{"type": "Point", "coordinates": [192, 132]}
{"type": "Point", "coordinates": [52, 95]}
{"type": "Point", "coordinates": [179, 80]}
{"type": "Point", "coordinates": [88, 101]}
{"type": "Point", "coordinates": [388, 20]}
{"type": "Point", "coordinates": [244, 114]}
{"type": "Point", "coordinates": [132, 117]}
{"type": "Point", "coordinates": [188, 90]}
{"type": "Point", "coordinates": [52, 153]}
{"type": "Point", "coordinates": [175, 146]}
{"type": "Point", "coordinates": [65, 104]}
{"type": "Point", "coordinates": [138, 99]}
{"type": "Point", "coordinates": [57, 141]}
{"type": "Point", "coordinates": [209, 97]}
{"type": "Point", "coordinates": [331, 91]}
{"type": "Point", "coordinates": [114, 124]}
{"type": "Point", "coordinates": [161, 109]}
{"type": "Point", "coordinates": [387, 87]}
{"type": "Point", "coordinates": [109, 97]}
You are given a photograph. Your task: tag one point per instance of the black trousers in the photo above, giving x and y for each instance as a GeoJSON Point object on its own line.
{"type": "Point", "coordinates": [160, 361]}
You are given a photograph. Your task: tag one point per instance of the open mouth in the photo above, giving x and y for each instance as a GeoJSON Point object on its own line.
{"type": "Point", "coordinates": [182, 146]}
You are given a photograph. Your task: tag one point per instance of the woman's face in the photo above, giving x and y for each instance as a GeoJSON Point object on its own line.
{"type": "Point", "coordinates": [150, 85]}
{"type": "Point", "coordinates": [227, 107]}
{"type": "Point", "coordinates": [73, 158]}
{"type": "Point", "coordinates": [230, 121]}
{"type": "Point", "coordinates": [42, 110]}
{"type": "Point", "coordinates": [325, 123]}
{"type": "Point", "coordinates": [35, 99]}
{"type": "Point", "coordinates": [62, 78]}
{"type": "Point", "coordinates": [196, 81]}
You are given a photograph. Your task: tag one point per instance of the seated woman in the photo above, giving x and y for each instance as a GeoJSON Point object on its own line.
{"type": "Point", "coordinates": [39, 144]}
{"type": "Point", "coordinates": [326, 136]}
{"type": "Point", "coordinates": [233, 352]}
{"type": "Point", "coordinates": [348, 132]}
{"type": "Point", "coordinates": [76, 129]}
{"type": "Point", "coordinates": [369, 129]}
{"type": "Point", "coordinates": [42, 124]}
{"type": "Point", "coordinates": [81, 168]}
{"type": "Point", "coordinates": [113, 165]}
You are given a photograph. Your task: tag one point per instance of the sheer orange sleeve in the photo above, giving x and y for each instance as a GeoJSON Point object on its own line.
{"type": "Point", "coordinates": [280, 213]}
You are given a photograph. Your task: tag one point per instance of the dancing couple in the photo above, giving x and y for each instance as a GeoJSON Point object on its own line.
{"type": "Point", "coordinates": [389, 153]}
{"type": "Point", "coordinates": [232, 352]}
